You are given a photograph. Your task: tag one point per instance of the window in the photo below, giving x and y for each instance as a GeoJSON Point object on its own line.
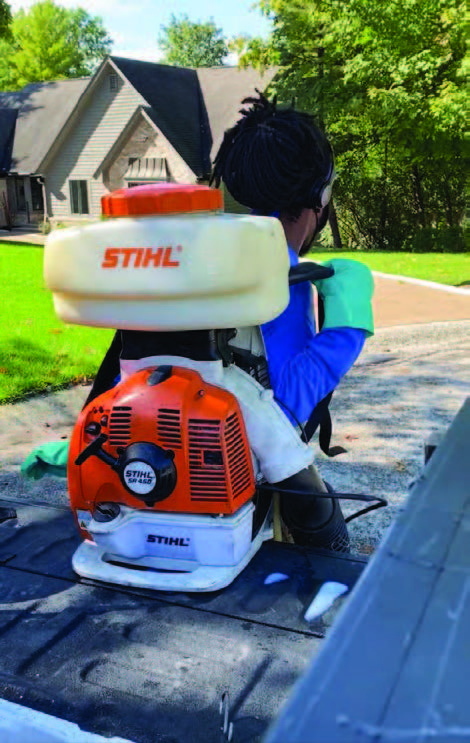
{"type": "Point", "coordinates": [147, 170]}
{"type": "Point", "coordinates": [113, 82]}
{"type": "Point", "coordinates": [79, 197]}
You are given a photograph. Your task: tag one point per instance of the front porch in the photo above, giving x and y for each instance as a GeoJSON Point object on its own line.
{"type": "Point", "coordinates": [21, 201]}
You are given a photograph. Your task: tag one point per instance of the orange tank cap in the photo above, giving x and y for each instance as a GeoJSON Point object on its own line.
{"type": "Point", "coordinates": [161, 198]}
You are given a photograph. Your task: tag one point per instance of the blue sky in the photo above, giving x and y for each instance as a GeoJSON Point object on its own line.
{"type": "Point", "coordinates": [135, 26]}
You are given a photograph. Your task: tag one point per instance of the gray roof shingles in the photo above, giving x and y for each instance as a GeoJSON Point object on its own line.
{"type": "Point", "coordinates": [52, 103]}
{"type": "Point", "coordinates": [8, 118]}
{"type": "Point", "coordinates": [223, 89]}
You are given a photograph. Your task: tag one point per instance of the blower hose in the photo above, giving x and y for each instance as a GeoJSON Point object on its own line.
{"type": "Point", "coordinates": [331, 494]}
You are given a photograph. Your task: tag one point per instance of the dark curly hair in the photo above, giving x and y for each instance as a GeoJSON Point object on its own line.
{"type": "Point", "coordinates": [274, 159]}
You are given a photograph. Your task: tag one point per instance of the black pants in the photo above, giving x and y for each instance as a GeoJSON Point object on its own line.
{"type": "Point", "coordinates": [314, 521]}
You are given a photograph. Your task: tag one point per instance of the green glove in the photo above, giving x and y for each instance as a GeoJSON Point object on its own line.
{"type": "Point", "coordinates": [47, 459]}
{"type": "Point", "coordinates": [347, 296]}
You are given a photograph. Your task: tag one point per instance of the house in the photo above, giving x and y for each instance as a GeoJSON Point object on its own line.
{"type": "Point", "coordinates": [30, 119]}
{"type": "Point", "coordinates": [65, 144]}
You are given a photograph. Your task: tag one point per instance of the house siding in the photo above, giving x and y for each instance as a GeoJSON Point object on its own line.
{"type": "Point", "coordinates": [145, 142]}
{"type": "Point", "coordinates": [99, 124]}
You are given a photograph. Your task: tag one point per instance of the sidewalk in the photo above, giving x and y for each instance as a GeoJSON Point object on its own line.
{"type": "Point", "coordinates": [23, 235]}
{"type": "Point", "coordinates": [403, 302]}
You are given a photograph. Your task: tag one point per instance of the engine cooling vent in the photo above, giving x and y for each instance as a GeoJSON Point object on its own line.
{"type": "Point", "coordinates": [120, 425]}
{"type": "Point", "coordinates": [169, 427]}
{"type": "Point", "coordinates": [239, 466]}
{"type": "Point", "coordinates": [206, 468]}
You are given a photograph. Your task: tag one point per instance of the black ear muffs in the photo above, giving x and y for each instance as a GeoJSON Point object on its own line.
{"type": "Point", "coordinates": [323, 216]}
{"type": "Point", "coordinates": [320, 193]}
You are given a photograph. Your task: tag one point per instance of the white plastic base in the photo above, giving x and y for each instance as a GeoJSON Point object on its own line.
{"type": "Point", "coordinates": [92, 561]}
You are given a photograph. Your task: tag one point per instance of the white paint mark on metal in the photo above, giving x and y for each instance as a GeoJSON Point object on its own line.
{"type": "Point", "coordinates": [324, 599]}
{"type": "Point", "coordinates": [275, 578]}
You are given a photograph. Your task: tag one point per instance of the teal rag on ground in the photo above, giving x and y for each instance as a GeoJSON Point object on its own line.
{"type": "Point", "coordinates": [47, 459]}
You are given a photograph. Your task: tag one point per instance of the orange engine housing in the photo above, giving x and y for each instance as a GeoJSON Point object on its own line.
{"type": "Point", "coordinates": [198, 426]}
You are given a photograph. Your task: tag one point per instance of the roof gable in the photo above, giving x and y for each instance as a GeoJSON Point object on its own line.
{"type": "Point", "coordinates": [193, 108]}
{"type": "Point", "coordinates": [177, 107]}
{"type": "Point", "coordinates": [115, 146]}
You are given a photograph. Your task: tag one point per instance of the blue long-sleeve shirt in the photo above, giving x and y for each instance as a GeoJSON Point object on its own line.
{"type": "Point", "coordinates": [305, 366]}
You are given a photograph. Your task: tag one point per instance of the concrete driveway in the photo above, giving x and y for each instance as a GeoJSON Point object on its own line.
{"type": "Point", "coordinates": [404, 301]}
{"type": "Point", "coordinates": [410, 381]}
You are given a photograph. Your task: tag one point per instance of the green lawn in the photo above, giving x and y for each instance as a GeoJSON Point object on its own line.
{"type": "Point", "coordinates": [37, 351]}
{"type": "Point", "coordinates": [444, 268]}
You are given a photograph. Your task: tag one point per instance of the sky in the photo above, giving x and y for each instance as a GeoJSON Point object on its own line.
{"type": "Point", "coordinates": [135, 26]}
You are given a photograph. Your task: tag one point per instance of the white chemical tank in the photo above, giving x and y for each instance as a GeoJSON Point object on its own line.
{"type": "Point", "coordinates": [167, 258]}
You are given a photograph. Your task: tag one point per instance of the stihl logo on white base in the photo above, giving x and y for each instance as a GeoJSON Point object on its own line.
{"type": "Point", "coordinates": [160, 257]}
{"type": "Point", "coordinates": [171, 541]}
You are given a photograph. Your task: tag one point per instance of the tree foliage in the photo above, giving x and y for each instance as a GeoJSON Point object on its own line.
{"type": "Point", "coordinates": [92, 40]}
{"type": "Point", "coordinates": [386, 80]}
{"type": "Point", "coordinates": [50, 42]}
{"type": "Point", "coordinates": [5, 18]}
{"type": "Point", "coordinates": [192, 44]}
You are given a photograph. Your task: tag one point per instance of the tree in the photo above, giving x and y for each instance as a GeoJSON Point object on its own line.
{"type": "Point", "coordinates": [5, 18]}
{"type": "Point", "coordinates": [189, 44]}
{"type": "Point", "coordinates": [50, 42]}
{"type": "Point", "coordinates": [387, 83]}
{"type": "Point", "coordinates": [92, 40]}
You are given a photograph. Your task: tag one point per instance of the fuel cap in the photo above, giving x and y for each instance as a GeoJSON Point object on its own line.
{"type": "Point", "coordinates": [105, 512]}
{"type": "Point", "coordinates": [161, 198]}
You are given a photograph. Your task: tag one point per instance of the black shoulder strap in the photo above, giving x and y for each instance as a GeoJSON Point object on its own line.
{"type": "Point", "coordinates": [321, 415]}
{"type": "Point", "coordinates": [110, 368]}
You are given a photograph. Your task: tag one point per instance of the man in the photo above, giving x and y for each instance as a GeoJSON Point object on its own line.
{"type": "Point", "coordinates": [278, 163]}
